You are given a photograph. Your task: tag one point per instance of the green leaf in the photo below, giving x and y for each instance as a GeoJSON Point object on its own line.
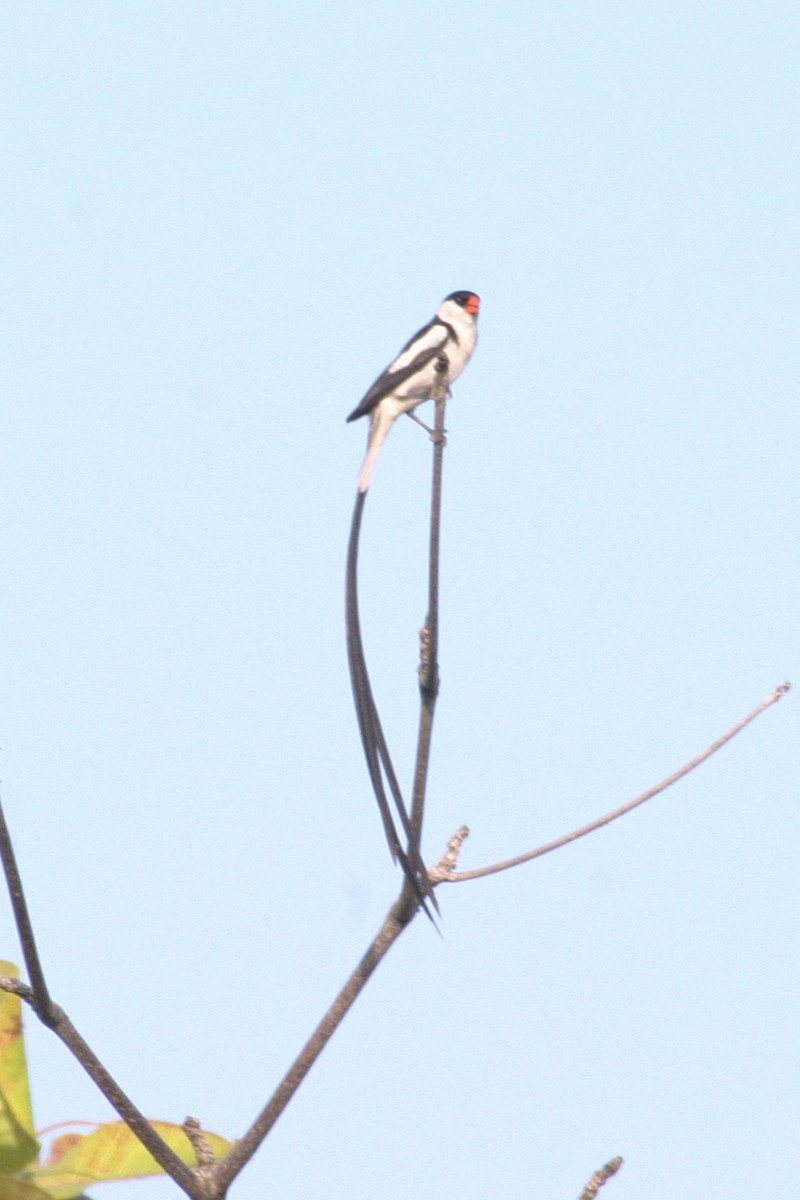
{"type": "Point", "coordinates": [18, 1144]}
{"type": "Point", "coordinates": [76, 1161]}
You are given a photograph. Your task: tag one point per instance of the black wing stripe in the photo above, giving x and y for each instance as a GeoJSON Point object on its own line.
{"type": "Point", "coordinates": [389, 380]}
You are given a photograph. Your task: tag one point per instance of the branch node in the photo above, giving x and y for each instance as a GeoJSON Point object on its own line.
{"type": "Point", "coordinates": [449, 860]}
{"type": "Point", "coordinates": [427, 671]}
{"type": "Point", "coordinates": [17, 987]}
{"type": "Point", "coordinates": [424, 648]}
{"type": "Point", "coordinates": [200, 1144]}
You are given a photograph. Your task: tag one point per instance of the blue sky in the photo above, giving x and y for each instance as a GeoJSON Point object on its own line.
{"type": "Point", "coordinates": [219, 225]}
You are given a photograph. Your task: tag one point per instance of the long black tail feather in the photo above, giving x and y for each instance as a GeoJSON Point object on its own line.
{"type": "Point", "coordinates": [376, 752]}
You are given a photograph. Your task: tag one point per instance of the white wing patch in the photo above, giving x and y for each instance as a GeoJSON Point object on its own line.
{"type": "Point", "coordinates": [431, 339]}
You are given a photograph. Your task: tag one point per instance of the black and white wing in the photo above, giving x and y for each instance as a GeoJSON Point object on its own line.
{"type": "Point", "coordinates": [417, 354]}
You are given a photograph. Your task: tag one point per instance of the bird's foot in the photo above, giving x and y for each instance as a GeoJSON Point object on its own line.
{"type": "Point", "coordinates": [432, 433]}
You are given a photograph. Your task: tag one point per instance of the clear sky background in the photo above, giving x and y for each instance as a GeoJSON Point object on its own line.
{"type": "Point", "coordinates": [219, 223]}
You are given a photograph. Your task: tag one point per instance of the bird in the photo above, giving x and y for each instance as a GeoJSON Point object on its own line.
{"type": "Point", "coordinates": [444, 345]}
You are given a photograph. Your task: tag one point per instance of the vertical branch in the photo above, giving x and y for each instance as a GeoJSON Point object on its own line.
{"type": "Point", "coordinates": [429, 634]}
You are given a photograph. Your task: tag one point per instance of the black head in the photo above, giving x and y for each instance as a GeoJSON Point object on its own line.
{"type": "Point", "coordinates": [468, 300]}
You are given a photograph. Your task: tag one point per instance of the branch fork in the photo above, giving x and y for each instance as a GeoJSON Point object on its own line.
{"type": "Point", "coordinates": [211, 1179]}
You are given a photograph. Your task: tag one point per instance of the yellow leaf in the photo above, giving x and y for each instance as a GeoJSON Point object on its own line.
{"type": "Point", "coordinates": [18, 1144]}
{"type": "Point", "coordinates": [111, 1152]}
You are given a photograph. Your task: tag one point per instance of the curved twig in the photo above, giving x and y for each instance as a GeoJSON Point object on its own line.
{"type": "Point", "coordinates": [443, 876]}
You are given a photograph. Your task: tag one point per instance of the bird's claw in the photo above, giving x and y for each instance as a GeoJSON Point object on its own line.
{"type": "Point", "coordinates": [432, 433]}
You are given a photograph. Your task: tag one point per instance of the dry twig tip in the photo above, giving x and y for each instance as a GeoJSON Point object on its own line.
{"type": "Point", "coordinates": [600, 1178]}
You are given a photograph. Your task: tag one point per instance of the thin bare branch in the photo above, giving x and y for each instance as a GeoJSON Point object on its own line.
{"type": "Point", "coordinates": [7, 984]}
{"type": "Point", "coordinates": [127, 1110]}
{"type": "Point", "coordinates": [600, 1178]}
{"type": "Point", "coordinates": [37, 996]}
{"type": "Point", "coordinates": [395, 922]}
{"type": "Point", "coordinates": [429, 658]}
{"type": "Point", "coordinates": [429, 634]}
{"type": "Point", "coordinates": [480, 872]}
{"type": "Point", "coordinates": [40, 1000]}
{"type": "Point", "coordinates": [130, 1114]}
